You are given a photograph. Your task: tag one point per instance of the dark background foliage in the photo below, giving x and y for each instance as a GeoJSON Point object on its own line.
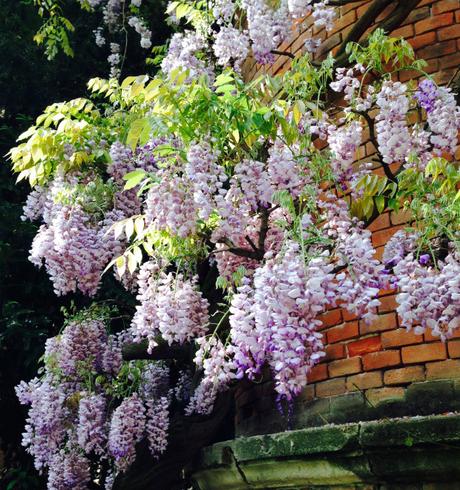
{"type": "Point", "coordinates": [29, 310]}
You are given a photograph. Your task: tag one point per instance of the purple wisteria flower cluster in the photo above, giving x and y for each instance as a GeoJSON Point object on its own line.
{"type": "Point", "coordinates": [76, 416]}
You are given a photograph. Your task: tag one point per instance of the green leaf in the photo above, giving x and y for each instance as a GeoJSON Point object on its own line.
{"type": "Point", "coordinates": [380, 203]}
{"type": "Point", "coordinates": [223, 79]}
{"type": "Point", "coordinates": [137, 127]}
{"type": "Point", "coordinates": [134, 178]}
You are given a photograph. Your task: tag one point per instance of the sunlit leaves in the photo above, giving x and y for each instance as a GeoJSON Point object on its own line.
{"type": "Point", "coordinates": [382, 50]}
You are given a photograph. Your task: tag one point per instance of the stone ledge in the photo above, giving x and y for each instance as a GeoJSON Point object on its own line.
{"type": "Point", "coordinates": [407, 450]}
{"type": "Point", "coordinates": [419, 398]}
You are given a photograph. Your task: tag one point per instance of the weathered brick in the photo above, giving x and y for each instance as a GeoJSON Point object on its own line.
{"type": "Point", "coordinates": [454, 348]}
{"type": "Point", "coordinates": [448, 369]}
{"type": "Point", "coordinates": [343, 367]}
{"type": "Point", "coordinates": [345, 20]}
{"type": "Point", "coordinates": [381, 237]}
{"type": "Point", "coordinates": [347, 316]}
{"type": "Point", "coordinates": [449, 32]}
{"type": "Point", "coordinates": [449, 61]}
{"type": "Point", "coordinates": [441, 78]}
{"type": "Point", "coordinates": [383, 221]}
{"type": "Point", "coordinates": [426, 2]}
{"type": "Point", "coordinates": [335, 351]}
{"type": "Point", "coordinates": [364, 346]}
{"type": "Point", "coordinates": [387, 321]}
{"type": "Point", "coordinates": [388, 10]}
{"type": "Point", "coordinates": [457, 16]}
{"type": "Point", "coordinates": [307, 394]}
{"type": "Point", "coordinates": [413, 74]}
{"type": "Point", "coordinates": [424, 352]}
{"type": "Point", "coordinates": [387, 303]}
{"type": "Point", "coordinates": [404, 375]}
{"type": "Point", "coordinates": [343, 332]}
{"type": "Point", "coordinates": [422, 40]}
{"type": "Point", "coordinates": [400, 217]}
{"type": "Point", "coordinates": [380, 395]}
{"type": "Point", "coordinates": [331, 318]}
{"type": "Point", "coordinates": [445, 6]}
{"type": "Point", "coordinates": [379, 252]}
{"type": "Point", "coordinates": [429, 337]}
{"type": "Point", "coordinates": [399, 337]}
{"type": "Point", "coordinates": [417, 14]}
{"type": "Point", "coordinates": [405, 31]}
{"type": "Point", "coordinates": [364, 381]}
{"type": "Point", "coordinates": [330, 43]}
{"type": "Point", "coordinates": [438, 50]}
{"type": "Point", "coordinates": [434, 22]}
{"type": "Point", "coordinates": [382, 359]}
{"type": "Point", "coordinates": [318, 373]}
{"type": "Point", "coordinates": [330, 387]}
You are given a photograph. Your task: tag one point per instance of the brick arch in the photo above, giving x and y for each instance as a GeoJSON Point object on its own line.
{"type": "Point", "coordinates": [376, 370]}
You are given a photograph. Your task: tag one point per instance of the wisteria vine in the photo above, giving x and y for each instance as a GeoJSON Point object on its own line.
{"type": "Point", "coordinates": [196, 170]}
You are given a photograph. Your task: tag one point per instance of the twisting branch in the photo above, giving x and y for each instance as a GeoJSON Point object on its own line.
{"type": "Point", "coordinates": [399, 14]}
{"type": "Point", "coordinates": [370, 123]}
{"type": "Point", "coordinates": [240, 251]}
{"type": "Point", "coordinates": [282, 53]}
{"type": "Point", "coordinates": [264, 216]}
{"type": "Point", "coordinates": [249, 240]}
{"type": "Point", "coordinates": [390, 23]}
{"type": "Point", "coordinates": [361, 26]}
{"type": "Point", "coordinates": [341, 3]}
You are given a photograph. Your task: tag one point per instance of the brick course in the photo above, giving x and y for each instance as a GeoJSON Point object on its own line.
{"type": "Point", "coordinates": [381, 359]}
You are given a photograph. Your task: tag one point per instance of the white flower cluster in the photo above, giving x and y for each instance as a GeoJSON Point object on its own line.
{"type": "Point", "coordinates": [182, 55]}
{"type": "Point", "coordinates": [343, 143]}
{"type": "Point", "coordinates": [139, 26]}
{"type": "Point", "coordinates": [444, 122]}
{"type": "Point", "coordinates": [393, 135]}
{"type": "Point", "coordinates": [231, 44]}
{"type": "Point", "coordinates": [212, 357]}
{"type": "Point", "coordinates": [170, 306]}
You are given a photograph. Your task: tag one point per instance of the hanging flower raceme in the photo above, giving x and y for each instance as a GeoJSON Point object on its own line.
{"type": "Point", "coordinates": [444, 122]}
{"type": "Point", "coordinates": [69, 470]}
{"type": "Point", "coordinates": [126, 430]}
{"type": "Point", "coordinates": [182, 55]}
{"type": "Point", "coordinates": [360, 275]}
{"type": "Point", "coordinates": [170, 204]}
{"type": "Point", "coordinates": [75, 422]}
{"type": "Point", "coordinates": [288, 296]}
{"type": "Point", "coordinates": [92, 428]}
{"type": "Point", "coordinates": [157, 425]}
{"type": "Point", "coordinates": [231, 45]}
{"type": "Point", "coordinates": [428, 292]}
{"type": "Point", "coordinates": [206, 176]}
{"type": "Point", "coordinates": [391, 128]}
{"type": "Point", "coordinates": [343, 142]}
{"type": "Point", "coordinates": [171, 306]}
{"type": "Point", "coordinates": [218, 371]}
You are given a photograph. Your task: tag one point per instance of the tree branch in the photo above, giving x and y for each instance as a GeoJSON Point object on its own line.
{"type": "Point", "coordinates": [341, 3]}
{"type": "Point", "coordinates": [249, 240]}
{"type": "Point", "coordinates": [361, 26]}
{"type": "Point", "coordinates": [264, 216]}
{"type": "Point", "coordinates": [282, 53]}
{"type": "Point", "coordinates": [370, 123]}
{"type": "Point", "coordinates": [390, 23]}
{"type": "Point", "coordinates": [399, 14]}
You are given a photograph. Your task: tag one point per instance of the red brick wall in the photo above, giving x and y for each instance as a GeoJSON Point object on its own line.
{"type": "Point", "coordinates": [382, 359]}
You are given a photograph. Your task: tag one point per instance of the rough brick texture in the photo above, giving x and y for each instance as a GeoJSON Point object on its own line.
{"type": "Point", "coordinates": [380, 359]}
